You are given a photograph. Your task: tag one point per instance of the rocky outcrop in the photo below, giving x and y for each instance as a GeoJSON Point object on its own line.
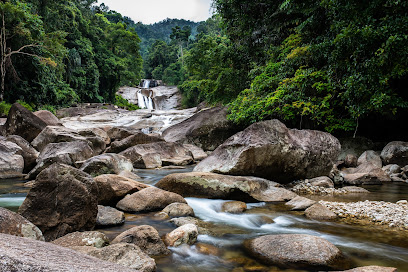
{"type": "Point", "coordinates": [234, 207]}
{"type": "Point", "coordinates": [149, 199]}
{"type": "Point", "coordinates": [113, 188]}
{"type": "Point", "coordinates": [135, 139]}
{"type": "Point", "coordinates": [178, 210]}
{"type": "Point", "coordinates": [319, 212]}
{"type": "Point", "coordinates": [23, 122]}
{"type": "Point", "coordinates": [270, 150]}
{"type": "Point", "coordinates": [11, 160]}
{"type": "Point", "coordinates": [216, 186]}
{"type": "Point", "coordinates": [108, 216]}
{"type": "Point", "coordinates": [86, 238]}
{"type": "Point", "coordinates": [28, 255]}
{"type": "Point", "coordinates": [186, 234]}
{"type": "Point", "coordinates": [146, 238]}
{"type": "Point", "coordinates": [207, 129]}
{"type": "Point", "coordinates": [48, 117]}
{"type": "Point", "coordinates": [14, 224]}
{"type": "Point", "coordinates": [108, 163]}
{"type": "Point", "coordinates": [62, 200]}
{"type": "Point", "coordinates": [298, 251]}
{"type": "Point", "coordinates": [30, 154]}
{"type": "Point", "coordinates": [126, 255]}
{"type": "Point", "coordinates": [157, 155]}
{"type": "Point", "coordinates": [395, 153]}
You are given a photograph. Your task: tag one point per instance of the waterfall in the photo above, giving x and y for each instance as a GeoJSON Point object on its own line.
{"type": "Point", "coordinates": [146, 84]}
{"type": "Point", "coordinates": [144, 102]}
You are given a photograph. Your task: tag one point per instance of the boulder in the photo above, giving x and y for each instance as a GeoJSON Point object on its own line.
{"type": "Point", "coordinates": [135, 139]}
{"type": "Point", "coordinates": [202, 226]}
{"type": "Point", "coordinates": [298, 251]}
{"type": "Point", "coordinates": [108, 216]}
{"type": "Point", "coordinates": [158, 154]}
{"type": "Point", "coordinates": [48, 117]}
{"type": "Point", "coordinates": [372, 268]}
{"type": "Point", "coordinates": [186, 234]}
{"type": "Point", "coordinates": [146, 238]}
{"type": "Point", "coordinates": [270, 150]}
{"type": "Point", "coordinates": [23, 122]}
{"type": "Point", "coordinates": [11, 160]}
{"type": "Point", "coordinates": [14, 224]}
{"type": "Point", "coordinates": [29, 153]}
{"type": "Point", "coordinates": [370, 157]}
{"type": "Point", "coordinates": [119, 133]}
{"type": "Point", "coordinates": [395, 153]}
{"type": "Point", "coordinates": [62, 200]}
{"type": "Point", "coordinates": [216, 186]}
{"type": "Point", "coordinates": [108, 163]}
{"type": "Point", "coordinates": [67, 153]}
{"type": "Point", "coordinates": [58, 134]}
{"type": "Point", "coordinates": [233, 207]}
{"type": "Point", "coordinates": [319, 212]}
{"type": "Point", "coordinates": [178, 210]}
{"type": "Point", "coordinates": [354, 146]}
{"type": "Point", "coordinates": [149, 199]}
{"type": "Point", "coordinates": [197, 152]}
{"type": "Point", "coordinates": [350, 160]}
{"type": "Point", "coordinates": [325, 182]}
{"type": "Point", "coordinates": [391, 169]}
{"type": "Point", "coordinates": [86, 238]}
{"type": "Point", "coordinates": [300, 203]}
{"type": "Point", "coordinates": [207, 129]}
{"type": "Point", "coordinates": [127, 255]}
{"type": "Point", "coordinates": [113, 188]}
{"type": "Point", "coordinates": [98, 132]}
{"type": "Point", "coordinates": [28, 255]}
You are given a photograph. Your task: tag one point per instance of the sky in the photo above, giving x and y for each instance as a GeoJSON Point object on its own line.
{"type": "Point", "coordinates": [152, 11]}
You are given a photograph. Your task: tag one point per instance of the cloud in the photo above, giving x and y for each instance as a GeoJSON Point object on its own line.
{"type": "Point", "coordinates": [151, 11]}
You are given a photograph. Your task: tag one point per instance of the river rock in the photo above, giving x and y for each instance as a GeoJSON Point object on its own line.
{"type": "Point", "coordinates": [269, 149]}
{"type": "Point", "coordinates": [149, 199]}
{"type": "Point", "coordinates": [203, 227]}
{"type": "Point", "coordinates": [67, 153]}
{"type": "Point", "coordinates": [233, 207]}
{"type": "Point", "coordinates": [113, 188]}
{"type": "Point", "coordinates": [299, 251]}
{"type": "Point", "coordinates": [300, 203]}
{"type": "Point", "coordinates": [198, 153]}
{"type": "Point", "coordinates": [11, 160]}
{"type": "Point", "coordinates": [14, 224]}
{"type": "Point", "coordinates": [178, 210]}
{"type": "Point", "coordinates": [146, 238]}
{"type": "Point", "coordinates": [391, 169]}
{"type": "Point", "coordinates": [135, 139]}
{"type": "Point", "coordinates": [119, 133]}
{"type": "Point", "coordinates": [395, 153]}
{"type": "Point", "coordinates": [158, 154]}
{"type": "Point", "coordinates": [23, 122]}
{"type": "Point", "coordinates": [30, 154]}
{"type": "Point", "coordinates": [350, 160]}
{"type": "Point", "coordinates": [186, 234]}
{"type": "Point", "coordinates": [28, 255]}
{"type": "Point", "coordinates": [372, 269]}
{"type": "Point", "coordinates": [108, 163]}
{"type": "Point", "coordinates": [370, 157]}
{"type": "Point", "coordinates": [86, 238]}
{"type": "Point", "coordinates": [127, 255]}
{"type": "Point", "coordinates": [207, 129]}
{"type": "Point", "coordinates": [319, 212]}
{"type": "Point", "coordinates": [108, 216]}
{"type": "Point", "coordinates": [325, 182]}
{"type": "Point", "coordinates": [48, 117]}
{"type": "Point", "coordinates": [62, 200]}
{"type": "Point", "coordinates": [216, 186]}
{"type": "Point", "coordinates": [57, 134]}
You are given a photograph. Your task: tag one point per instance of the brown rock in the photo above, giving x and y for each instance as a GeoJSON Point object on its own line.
{"type": "Point", "coordinates": [371, 157]}
{"type": "Point", "coordinates": [372, 269]}
{"type": "Point", "coordinates": [234, 207]}
{"type": "Point", "coordinates": [135, 139]}
{"type": "Point", "coordinates": [320, 212]}
{"type": "Point", "coordinates": [146, 238]}
{"type": "Point", "coordinates": [14, 224]}
{"type": "Point", "coordinates": [48, 117]}
{"type": "Point", "coordinates": [300, 203]}
{"type": "Point", "coordinates": [86, 238]}
{"type": "Point", "coordinates": [186, 234]}
{"type": "Point", "coordinates": [325, 182]}
{"type": "Point", "coordinates": [63, 200]}
{"type": "Point", "coordinates": [178, 210]}
{"type": "Point", "coordinates": [108, 216]}
{"type": "Point", "coordinates": [350, 160]}
{"type": "Point", "coordinates": [149, 199]}
{"type": "Point", "coordinates": [119, 133]}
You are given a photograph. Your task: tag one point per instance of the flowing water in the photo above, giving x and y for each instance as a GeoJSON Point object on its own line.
{"type": "Point", "coordinates": [364, 245]}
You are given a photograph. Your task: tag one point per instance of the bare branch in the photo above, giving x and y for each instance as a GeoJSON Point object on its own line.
{"type": "Point", "coordinates": [22, 48]}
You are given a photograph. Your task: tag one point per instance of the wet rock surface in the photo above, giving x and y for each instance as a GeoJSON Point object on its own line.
{"type": "Point", "coordinates": [186, 234]}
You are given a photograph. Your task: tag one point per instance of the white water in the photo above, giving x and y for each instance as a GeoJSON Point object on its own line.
{"type": "Point", "coordinates": [146, 84]}
{"type": "Point", "coordinates": [144, 102]}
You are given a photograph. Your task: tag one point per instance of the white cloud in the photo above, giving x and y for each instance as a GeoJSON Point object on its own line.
{"type": "Point", "coordinates": [151, 11]}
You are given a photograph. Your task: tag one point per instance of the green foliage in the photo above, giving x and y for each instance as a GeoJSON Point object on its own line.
{"type": "Point", "coordinates": [123, 103]}
{"type": "Point", "coordinates": [4, 108]}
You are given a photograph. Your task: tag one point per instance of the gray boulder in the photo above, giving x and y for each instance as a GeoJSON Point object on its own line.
{"type": "Point", "coordinates": [119, 133]}
{"type": "Point", "coordinates": [319, 212]}
{"type": "Point", "coordinates": [395, 153]}
{"type": "Point", "coordinates": [14, 224]}
{"type": "Point", "coordinates": [197, 152]}
{"type": "Point", "coordinates": [30, 154]}
{"type": "Point", "coordinates": [135, 139]}
{"type": "Point", "coordinates": [108, 163]}
{"type": "Point", "coordinates": [108, 216]}
{"type": "Point", "coordinates": [85, 238]}
{"type": "Point", "coordinates": [48, 117]}
{"type": "Point", "coordinates": [270, 150]}
{"type": "Point", "coordinates": [11, 160]}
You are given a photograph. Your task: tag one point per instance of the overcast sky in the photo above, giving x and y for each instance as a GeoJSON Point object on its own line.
{"type": "Point", "coordinates": [152, 11]}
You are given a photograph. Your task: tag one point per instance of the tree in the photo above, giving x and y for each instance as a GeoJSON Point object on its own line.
{"type": "Point", "coordinates": [181, 36]}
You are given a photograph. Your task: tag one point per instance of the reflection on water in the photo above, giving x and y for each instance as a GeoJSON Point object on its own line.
{"type": "Point", "coordinates": [152, 176]}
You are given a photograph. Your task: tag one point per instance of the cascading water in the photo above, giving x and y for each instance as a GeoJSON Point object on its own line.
{"type": "Point", "coordinates": [146, 84]}
{"type": "Point", "coordinates": [145, 102]}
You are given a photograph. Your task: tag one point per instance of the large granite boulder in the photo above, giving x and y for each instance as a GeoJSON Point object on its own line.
{"type": "Point", "coordinates": [146, 238]}
{"type": "Point", "coordinates": [48, 117]}
{"type": "Point", "coordinates": [298, 251]}
{"type": "Point", "coordinates": [108, 163]}
{"type": "Point", "coordinates": [207, 129]}
{"type": "Point", "coordinates": [23, 122]}
{"type": "Point", "coordinates": [63, 199]}
{"type": "Point", "coordinates": [158, 154]}
{"type": "Point", "coordinates": [30, 154]}
{"type": "Point", "coordinates": [11, 160]}
{"type": "Point", "coordinates": [149, 199]}
{"type": "Point", "coordinates": [271, 150]}
{"type": "Point", "coordinates": [85, 238]}
{"type": "Point", "coordinates": [113, 188]}
{"type": "Point", "coordinates": [58, 134]}
{"type": "Point", "coordinates": [14, 224]}
{"type": "Point", "coordinates": [135, 139]}
{"type": "Point", "coordinates": [28, 255]}
{"type": "Point", "coordinates": [108, 216]}
{"type": "Point", "coordinates": [395, 153]}
{"type": "Point", "coordinates": [216, 186]}
{"type": "Point", "coordinates": [66, 152]}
